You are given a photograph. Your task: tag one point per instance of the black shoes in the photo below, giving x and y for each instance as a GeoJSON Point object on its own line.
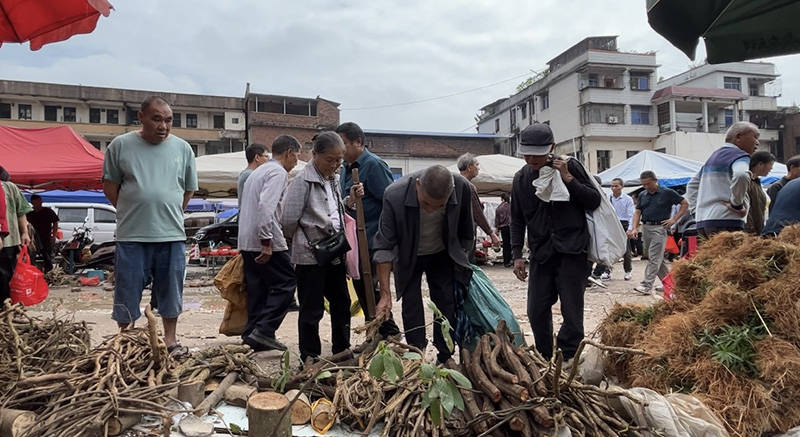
{"type": "Point", "coordinates": [260, 343]}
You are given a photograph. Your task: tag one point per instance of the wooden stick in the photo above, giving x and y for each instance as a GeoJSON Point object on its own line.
{"type": "Point", "coordinates": [151, 329]}
{"type": "Point", "coordinates": [479, 376]}
{"type": "Point", "coordinates": [363, 255]}
{"type": "Point", "coordinates": [215, 396]}
{"type": "Point", "coordinates": [192, 392]}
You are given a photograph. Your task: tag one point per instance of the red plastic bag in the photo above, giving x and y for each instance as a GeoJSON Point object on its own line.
{"type": "Point", "coordinates": [672, 246]}
{"type": "Point", "coordinates": [89, 282]}
{"type": "Point", "coordinates": [669, 286]}
{"type": "Point", "coordinates": [27, 285]}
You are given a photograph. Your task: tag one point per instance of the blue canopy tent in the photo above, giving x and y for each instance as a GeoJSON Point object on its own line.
{"type": "Point", "coordinates": [671, 170]}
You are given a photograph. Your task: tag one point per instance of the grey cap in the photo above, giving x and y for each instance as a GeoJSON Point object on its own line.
{"type": "Point", "coordinates": [536, 139]}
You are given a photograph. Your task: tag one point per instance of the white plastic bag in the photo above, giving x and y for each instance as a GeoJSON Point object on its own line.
{"type": "Point", "coordinates": [608, 242]}
{"type": "Point", "coordinates": [674, 415]}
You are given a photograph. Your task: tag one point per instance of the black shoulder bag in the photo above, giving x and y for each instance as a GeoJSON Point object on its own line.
{"type": "Point", "coordinates": [331, 249]}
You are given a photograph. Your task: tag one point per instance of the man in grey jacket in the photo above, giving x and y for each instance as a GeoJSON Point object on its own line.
{"type": "Point", "coordinates": [268, 272]}
{"type": "Point", "coordinates": [425, 227]}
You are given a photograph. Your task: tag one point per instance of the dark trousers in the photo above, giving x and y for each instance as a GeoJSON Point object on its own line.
{"type": "Point", "coordinates": [599, 269]}
{"type": "Point", "coordinates": [315, 283]}
{"type": "Point", "coordinates": [270, 289]}
{"type": "Point", "coordinates": [8, 262]}
{"type": "Point", "coordinates": [387, 328]}
{"type": "Point", "coordinates": [46, 249]}
{"type": "Point", "coordinates": [438, 269]}
{"type": "Point", "coordinates": [505, 235]}
{"type": "Point", "coordinates": [636, 245]}
{"type": "Point", "coordinates": [561, 277]}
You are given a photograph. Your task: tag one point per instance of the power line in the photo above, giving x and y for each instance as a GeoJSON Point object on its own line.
{"type": "Point", "coordinates": [430, 99]}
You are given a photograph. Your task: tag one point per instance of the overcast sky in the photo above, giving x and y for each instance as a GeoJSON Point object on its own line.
{"type": "Point", "coordinates": [363, 54]}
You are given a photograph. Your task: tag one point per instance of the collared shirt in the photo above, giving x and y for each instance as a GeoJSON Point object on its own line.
{"type": "Point", "coordinates": [657, 207]}
{"type": "Point", "coordinates": [16, 207]}
{"type": "Point", "coordinates": [375, 175]}
{"type": "Point", "coordinates": [261, 208]}
{"type": "Point", "coordinates": [240, 184]}
{"type": "Point", "coordinates": [624, 207]}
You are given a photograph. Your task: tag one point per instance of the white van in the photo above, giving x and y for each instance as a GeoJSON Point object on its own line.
{"type": "Point", "coordinates": [102, 219]}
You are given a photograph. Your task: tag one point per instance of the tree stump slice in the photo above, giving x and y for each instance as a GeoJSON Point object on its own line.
{"type": "Point", "coordinates": [14, 422]}
{"type": "Point", "coordinates": [301, 409]}
{"type": "Point", "coordinates": [264, 411]}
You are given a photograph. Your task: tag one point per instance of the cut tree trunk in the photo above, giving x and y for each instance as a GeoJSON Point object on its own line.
{"type": "Point", "coordinates": [192, 392]}
{"type": "Point", "coordinates": [14, 422]}
{"type": "Point", "coordinates": [322, 415]}
{"type": "Point", "coordinates": [216, 396]}
{"type": "Point", "coordinates": [238, 394]}
{"type": "Point", "coordinates": [264, 411]}
{"type": "Point", "coordinates": [301, 409]}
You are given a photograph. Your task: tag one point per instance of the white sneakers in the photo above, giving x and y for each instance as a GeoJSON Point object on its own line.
{"type": "Point", "coordinates": [641, 289]}
{"type": "Point", "coordinates": [628, 276]}
{"type": "Point", "coordinates": [605, 276]}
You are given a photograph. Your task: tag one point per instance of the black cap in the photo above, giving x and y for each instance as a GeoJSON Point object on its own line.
{"type": "Point", "coordinates": [536, 139]}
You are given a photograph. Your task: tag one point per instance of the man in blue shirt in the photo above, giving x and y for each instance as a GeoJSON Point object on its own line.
{"type": "Point", "coordinates": [374, 175]}
{"type": "Point", "coordinates": [786, 210]}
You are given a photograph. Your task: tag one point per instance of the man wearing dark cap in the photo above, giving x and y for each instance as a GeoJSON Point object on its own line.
{"type": "Point", "coordinates": [558, 239]}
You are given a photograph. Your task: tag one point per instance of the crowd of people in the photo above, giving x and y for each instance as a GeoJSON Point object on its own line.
{"type": "Point", "coordinates": [293, 234]}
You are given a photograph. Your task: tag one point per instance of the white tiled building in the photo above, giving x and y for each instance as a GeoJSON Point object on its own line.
{"type": "Point", "coordinates": [595, 97]}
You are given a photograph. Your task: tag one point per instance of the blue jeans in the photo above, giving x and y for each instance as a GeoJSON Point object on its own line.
{"type": "Point", "coordinates": [135, 262]}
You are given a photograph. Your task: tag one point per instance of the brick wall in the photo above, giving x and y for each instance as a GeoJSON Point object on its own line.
{"type": "Point", "coordinates": [267, 134]}
{"type": "Point", "coordinates": [428, 146]}
{"type": "Point", "coordinates": [328, 114]}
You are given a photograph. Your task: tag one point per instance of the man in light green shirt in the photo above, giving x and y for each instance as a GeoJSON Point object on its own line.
{"type": "Point", "coordinates": [16, 208]}
{"type": "Point", "coordinates": [149, 176]}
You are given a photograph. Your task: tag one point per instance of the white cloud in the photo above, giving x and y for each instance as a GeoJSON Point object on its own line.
{"type": "Point", "coordinates": [359, 53]}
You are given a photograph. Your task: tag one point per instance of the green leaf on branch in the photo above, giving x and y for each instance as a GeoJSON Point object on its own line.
{"type": "Point", "coordinates": [448, 339]}
{"type": "Point", "coordinates": [279, 384]}
{"type": "Point", "coordinates": [412, 356]}
{"type": "Point", "coordinates": [460, 379]}
{"type": "Point", "coordinates": [376, 366]}
{"type": "Point", "coordinates": [427, 371]}
{"type": "Point", "coordinates": [436, 412]}
{"type": "Point", "coordinates": [324, 375]}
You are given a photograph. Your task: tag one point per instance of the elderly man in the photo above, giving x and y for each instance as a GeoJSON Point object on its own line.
{"type": "Point", "coordinates": [792, 173]}
{"type": "Point", "coordinates": [425, 227]}
{"type": "Point", "coordinates": [558, 238]}
{"type": "Point", "coordinates": [761, 164]}
{"type": "Point", "coordinates": [374, 176]}
{"type": "Point", "coordinates": [15, 207]}
{"type": "Point", "coordinates": [654, 213]}
{"type": "Point", "coordinates": [256, 154]}
{"type": "Point", "coordinates": [149, 175]}
{"type": "Point", "coordinates": [469, 167]}
{"type": "Point", "coordinates": [718, 192]}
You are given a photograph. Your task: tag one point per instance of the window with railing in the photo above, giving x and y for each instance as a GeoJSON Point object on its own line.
{"type": "Point", "coordinates": [191, 122]}
{"type": "Point", "coordinates": [594, 113]}
{"type": "Point", "coordinates": [94, 115]}
{"type": "Point", "coordinates": [69, 114]}
{"type": "Point", "coordinates": [640, 114]}
{"type": "Point", "coordinates": [112, 116]}
{"type": "Point", "coordinates": [544, 100]}
{"type": "Point", "coordinates": [5, 110]}
{"type": "Point", "coordinates": [728, 117]}
{"type": "Point", "coordinates": [603, 160]}
{"type": "Point", "coordinates": [25, 112]}
{"type": "Point", "coordinates": [176, 119]}
{"type": "Point", "coordinates": [640, 81]}
{"type": "Point", "coordinates": [50, 113]}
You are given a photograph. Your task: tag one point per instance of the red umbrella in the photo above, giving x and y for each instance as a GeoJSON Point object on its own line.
{"type": "Point", "coordinates": [45, 21]}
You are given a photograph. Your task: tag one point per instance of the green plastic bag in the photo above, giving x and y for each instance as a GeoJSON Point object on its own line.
{"type": "Point", "coordinates": [485, 307]}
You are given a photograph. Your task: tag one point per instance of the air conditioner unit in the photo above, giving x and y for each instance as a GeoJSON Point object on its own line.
{"type": "Point", "coordinates": [612, 119]}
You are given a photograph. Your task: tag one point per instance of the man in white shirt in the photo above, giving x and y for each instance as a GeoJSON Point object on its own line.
{"type": "Point", "coordinates": [623, 204]}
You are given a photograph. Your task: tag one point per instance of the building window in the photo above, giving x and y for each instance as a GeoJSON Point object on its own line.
{"type": "Point", "coordinates": [732, 83]}
{"type": "Point", "coordinates": [523, 108]}
{"type": "Point", "coordinates": [512, 114]}
{"type": "Point", "coordinates": [50, 113]}
{"type": "Point", "coordinates": [544, 101]}
{"type": "Point", "coordinates": [219, 122]}
{"type": "Point", "coordinates": [599, 113]}
{"type": "Point", "coordinates": [191, 121]}
{"type": "Point", "coordinates": [594, 80]}
{"type": "Point", "coordinates": [94, 115]}
{"type": "Point", "coordinates": [640, 115]}
{"type": "Point", "coordinates": [234, 120]}
{"type": "Point", "coordinates": [194, 149]}
{"type": "Point", "coordinates": [533, 107]}
{"type": "Point", "coordinates": [5, 110]}
{"type": "Point", "coordinates": [728, 118]}
{"type": "Point", "coordinates": [496, 125]}
{"type": "Point", "coordinates": [25, 112]}
{"type": "Point", "coordinates": [630, 153]}
{"type": "Point", "coordinates": [603, 160]}
{"type": "Point", "coordinates": [640, 81]}
{"type": "Point", "coordinates": [69, 114]}
{"type": "Point", "coordinates": [797, 145]}
{"type": "Point", "coordinates": [176, 119]}
{"type": "Point", "coordinates": [112, 116]}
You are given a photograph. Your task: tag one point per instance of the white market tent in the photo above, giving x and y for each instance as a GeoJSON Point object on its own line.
{"type": "Point", "coordinates": [496, 173]}
{"type": "Point", "coordinates": [218, 175]}
{"type": "Point", "coordinates": [671, 170]}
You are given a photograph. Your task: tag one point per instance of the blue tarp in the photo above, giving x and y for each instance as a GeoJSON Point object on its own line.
{"type": "Point", "coordinates": [87, 196]}
{"type": "Point", "coordinates": [671, 170]}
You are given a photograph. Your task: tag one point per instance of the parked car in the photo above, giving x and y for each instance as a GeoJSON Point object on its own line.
{"type": "Point", "coordinates": [225, 232]}
{"type": "Point", "coordinates": [100, 218]}
{"type": "Point", "coordinates": [194, 221]}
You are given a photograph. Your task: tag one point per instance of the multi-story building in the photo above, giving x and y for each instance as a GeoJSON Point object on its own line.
{"type": "Point", "coordinates": [269, 116]}
{"type": "Point", "coordinates": [211, 124]}
{"type": "Point", "coordinates": [595, 97]}
{"type": "Point", "coordinates": [696, 106]}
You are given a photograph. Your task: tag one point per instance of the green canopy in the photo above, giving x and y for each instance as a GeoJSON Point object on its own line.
{"type": "Point", "coordinates": [734, 30]}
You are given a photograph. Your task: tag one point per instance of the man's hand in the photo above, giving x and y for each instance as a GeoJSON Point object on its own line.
{"type": "Point", "coordinates": [266, 253]}
{"type": "Point", "coordinates": [495, 240]}
{"type": "Point", "coordinates": [383, 308]}
{"type": "Point", "coordinates": [633, 234]}
{"type": "Point", "coordinates": [26, 239]}
{"type": "Point", "coordinates": [668, 222]}
{"type": "Point", "coordinates": [520, 270]}
{"type": "Point", "coordinates": [561, 165]}
{"type": "Point", "coordinates": [357, 191]}
{"type": "Point", "coordinates": [740, 212]}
